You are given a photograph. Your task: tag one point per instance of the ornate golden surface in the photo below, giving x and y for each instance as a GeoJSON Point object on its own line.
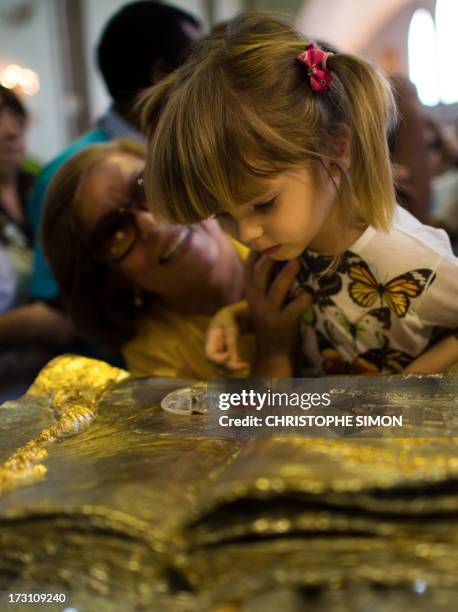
{"type": "Point", "coordinates": [139, 509]}
{"type": "Point", "coordinates": [72, 386]}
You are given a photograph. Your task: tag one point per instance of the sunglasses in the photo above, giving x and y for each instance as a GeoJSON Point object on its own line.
{"type": "Point", "coordinates": [116, 233]}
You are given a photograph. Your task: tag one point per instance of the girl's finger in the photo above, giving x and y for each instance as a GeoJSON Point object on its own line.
{"type": "Point", "coordinates": [237, 365]}
{"type": "Point", "coordinates": [231, 336]}
{"type": "Point", "coordinates": [215, 348]}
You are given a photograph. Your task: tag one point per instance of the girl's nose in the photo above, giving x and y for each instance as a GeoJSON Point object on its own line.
{"type": "Point", "coordinates": [249, 231]}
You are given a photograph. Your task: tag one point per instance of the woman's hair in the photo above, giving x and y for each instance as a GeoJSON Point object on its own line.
{"type": "Point", "coordinates": [241, 110]}
{"type": "Point", "coordinates": [99, 301]}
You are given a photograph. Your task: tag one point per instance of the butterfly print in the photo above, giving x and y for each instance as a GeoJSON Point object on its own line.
{"type": "Point", "coordinates": [396, 294]}
{"type": "Point", "coordinates": [313, 269]}
{"type": "Point", "coordinates": [366, 331]}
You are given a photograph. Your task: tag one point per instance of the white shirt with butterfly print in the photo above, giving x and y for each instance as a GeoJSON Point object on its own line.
{"type": "Point", "coordinates": [391, 296]}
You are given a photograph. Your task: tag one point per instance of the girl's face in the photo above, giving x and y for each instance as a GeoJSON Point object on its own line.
{"type": "Point", "coordinates": [292, 215]}
{"type": "Point", "coordinates": [163, 258]}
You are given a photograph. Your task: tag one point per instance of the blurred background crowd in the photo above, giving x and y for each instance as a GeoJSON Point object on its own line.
{"type": "Point", "coordinates": [69, 73]}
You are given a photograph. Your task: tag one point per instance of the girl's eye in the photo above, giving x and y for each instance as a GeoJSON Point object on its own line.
{"type": "Point", "coordinates": [264, 205]}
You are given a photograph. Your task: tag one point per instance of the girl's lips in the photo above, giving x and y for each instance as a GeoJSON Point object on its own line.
{"type": "Point", "coordinates": [271, 250]}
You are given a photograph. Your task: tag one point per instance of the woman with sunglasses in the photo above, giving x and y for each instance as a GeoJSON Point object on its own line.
{"type": "Point", "coordinates": [129, 281]}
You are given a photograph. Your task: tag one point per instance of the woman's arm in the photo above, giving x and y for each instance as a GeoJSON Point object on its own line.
{"type": "Point", "coordinates": [275, 322]}
{"type": "Point", "coordinates": [35, 323]}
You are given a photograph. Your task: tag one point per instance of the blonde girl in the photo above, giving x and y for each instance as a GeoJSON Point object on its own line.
{"type": "Point", "coordinates": [287, 146]}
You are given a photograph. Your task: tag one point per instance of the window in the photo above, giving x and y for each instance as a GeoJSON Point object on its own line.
{"type": "Point", "coordinates": [431, 48]}
{"type": "Point", "coordinates": [446, 23]}
{"type": "Point", "coordinates": [423, 57]}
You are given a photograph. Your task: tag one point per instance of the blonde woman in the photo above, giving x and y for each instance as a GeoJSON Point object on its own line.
{"type": "Point", "coordinates": [127, 281]}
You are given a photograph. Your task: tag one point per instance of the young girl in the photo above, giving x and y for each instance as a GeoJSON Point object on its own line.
{"type": "Point", "coordinates": [287, 146]}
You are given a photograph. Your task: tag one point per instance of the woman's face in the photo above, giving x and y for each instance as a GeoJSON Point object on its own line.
{"type": "Point", "coordinates": [12, 141]}
{"type": "Point", "coordinates": [164, 259]}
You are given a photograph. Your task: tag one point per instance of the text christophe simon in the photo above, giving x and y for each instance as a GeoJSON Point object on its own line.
{"type": "Point", "coordinates": [252, 400]}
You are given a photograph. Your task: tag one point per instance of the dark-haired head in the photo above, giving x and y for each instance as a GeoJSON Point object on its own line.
{"type": "Point", "coordinates": [9, 100]}
{"type": "Point", "coordinates": [13, 117]}
{"type": "Point", "coordinates": [140, 44]}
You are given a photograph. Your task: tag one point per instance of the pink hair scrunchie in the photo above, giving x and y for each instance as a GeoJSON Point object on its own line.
{"type": "Point", "coordinates": [314, 59]}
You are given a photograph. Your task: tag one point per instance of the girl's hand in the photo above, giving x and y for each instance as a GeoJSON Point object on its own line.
{"type": "Point", "coordinates": [221, 346]}
{"type": "Point", "coordinates": [276, 323]}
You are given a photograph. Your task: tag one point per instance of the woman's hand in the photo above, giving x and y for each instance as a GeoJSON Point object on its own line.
{"type": "Point", "coordinates": [275, 319]}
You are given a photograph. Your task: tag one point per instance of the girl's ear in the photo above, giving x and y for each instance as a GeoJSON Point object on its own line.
{"type": "Point", "coordinates": [342, 146]}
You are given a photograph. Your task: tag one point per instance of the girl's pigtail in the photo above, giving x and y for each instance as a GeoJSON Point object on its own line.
{"type": "Point", "coordinates": [370, 110]}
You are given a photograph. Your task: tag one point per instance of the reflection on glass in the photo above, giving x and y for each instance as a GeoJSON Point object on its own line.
{"type": "Point", "coordinates": [189, 400]}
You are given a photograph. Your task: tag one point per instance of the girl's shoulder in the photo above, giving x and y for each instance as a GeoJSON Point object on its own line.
{"type": "Point", "coordinates": [430, 238]}
{"type": "Point", "coordinates": [408, 245]}
{"type": "Point", "coordinates": [406, 237]}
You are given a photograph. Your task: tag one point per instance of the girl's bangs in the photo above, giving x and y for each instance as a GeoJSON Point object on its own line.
{"type": "Point", "coordinates": [217, 185]}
